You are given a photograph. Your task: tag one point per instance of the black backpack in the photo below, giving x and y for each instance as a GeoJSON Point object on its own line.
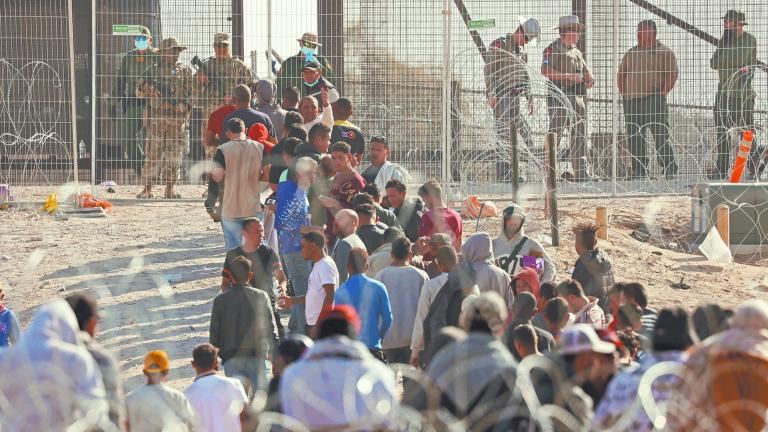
{"type": "Point", "coordinates": [446, 306]}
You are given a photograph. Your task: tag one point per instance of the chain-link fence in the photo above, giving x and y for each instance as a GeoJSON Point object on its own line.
{"type": "Point", "coordinates": [415, 72]}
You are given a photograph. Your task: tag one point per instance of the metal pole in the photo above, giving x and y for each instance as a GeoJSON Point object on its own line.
{"type": "Point", "coordinates": [269, 39]}
{"type": "Point", "coordinates": [615, 94]}
{"type": "Point", "coordinates": [94, 96]}
{"type": "Point", "coordinates": [515, 161]}
{"type": "Point", "coordinates": [445, 173]}
{"type": "Point", "coordinates": [550, 140]}
{"type": "Point", "coordinates": [73, 100]}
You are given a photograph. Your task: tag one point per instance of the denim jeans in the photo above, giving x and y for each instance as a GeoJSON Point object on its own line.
{"type": "Point", "coordinates": [233, 230]}
{"type": "Point", "coordinates": [297, 269]}
{"type": "Point", "coordinates": [254, 373]}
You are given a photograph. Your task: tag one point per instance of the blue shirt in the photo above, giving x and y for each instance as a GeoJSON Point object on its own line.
{"type": "Point", "coordinates": [9, 327]}
{"type": "Point", "coordinates": [291, 215]}
{"type": "Point", "coordinates": [250, 116]}
{"type": "Point", "coordinates": [370, 299]}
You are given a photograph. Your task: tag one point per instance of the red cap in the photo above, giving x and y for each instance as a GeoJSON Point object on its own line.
{"type": "Point", "coordinates": [530, 276]}
{"type": "Point", "coordinates": [344, 312]}
{"type": "Point", "coordinates": [259, 133]}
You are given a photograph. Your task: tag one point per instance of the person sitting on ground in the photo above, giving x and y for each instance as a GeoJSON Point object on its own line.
{"type": "Point", "coordinates": [345, 185]}
{"type": "Point", "coordinates": [290, 99]}
{"type": "Point", "coordinates": [323, 279]}
{"type": "Point", "coordinates": [425, 257]}
{"type": "Point", "coordinates": [477, 374]}
{"type": "Point", "coordinates": [215, 399]}
{"type": "Point", "coordinates": [408, 210]}
{"type": "Point", "coordinates": [386, 216]}
{"type": "Point", "coordinates": [9, 325]}
{"type": "Point", "coordinates": [50, 380]}
{"type": "Point", "coordinates": [344, 227]}
{"type": "Point", "coordinates": [672, 338]}
{"type": "Point", "coordinates": [345, 131]}
{"type": "Point", "coordinates": [382, 257]}
{"type": "Point", "coordinates": [546, 293]}
{"type": "Point", "coordinates": [439, 218]}
{"type": "Point", "coordinates": [370, 299]}
{"type": "Point", "coordinates": [513, 244]}
{"type": "Point", "coordinates": [266, 268]}
{"type": "Point", "coordinates": [593, 269]}
{"type": "Point", "coordinates": [557, 316]}
{"type": "Point", "coordinates": [289, 351]}
{"type": "Point", "coordinates": [585, 309]}
{"type": "Point", "coordinates": [525, 341]}
{"type": "Point", "coordinates": [156, 406]}
{"type": "Point", "coordinates": [86, 311]}
{"type": "Point", "coordinates": [446, 261]}
{"type": "Point", "coordinates": [635, 294]}
{"type": "Point", "coordinates": [478, 253]}
{"type": "Point", "coordinates": [381, 170]}
{"type": "Point", "coordinates": [404, 283]}
{"type": "Point", "coordinates": [523, 310]}
{"type": "Point", "coordinates": [315, 389]}
{"type": "Point", "coordinates": [243, 328]}
{"type": "Point", "coordinates": [369, 232]}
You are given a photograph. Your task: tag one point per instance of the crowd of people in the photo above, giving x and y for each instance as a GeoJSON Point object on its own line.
{"type": "Point", "coordinates": [488, 335]}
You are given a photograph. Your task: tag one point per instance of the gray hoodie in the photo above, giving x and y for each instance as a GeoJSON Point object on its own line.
{"type": "Point", "coordinates": [477, 252]}
{"type": "Point", "coordinates": [503, 246]}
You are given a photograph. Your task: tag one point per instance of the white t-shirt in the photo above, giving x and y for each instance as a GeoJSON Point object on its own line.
{"type": "Point", "coordinates": [217, 401]}
{"type": "Point", "coordinates": [324, 272]}
{"type": "Point", "coordinates": [158, 407]}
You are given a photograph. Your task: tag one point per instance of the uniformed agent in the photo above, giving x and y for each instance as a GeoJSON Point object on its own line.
{"type": "Point", "coordinates": [506, 83]}
{"type": "Point", "coordinates": [216, 79]}
{"type": "Point", "coordinates": [126, 107]}
{"type": "Point", "coordinates": [735, 60]}
{"type": "Point", "coordinates": [647, 73]}
{"type": "Point", "coordinates": [167, 86]}
{"type": "Point", "coordinates": [563, 64]}
{"type": "Point", "coordinates": [290, 73]}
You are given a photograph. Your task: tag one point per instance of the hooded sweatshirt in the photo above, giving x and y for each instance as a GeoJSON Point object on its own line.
{"type": "Point", "coordinates": [503, 246]}
{"type": "Point", "coordinates": [477, 252]}
{"type": "Point", "coordinates": [50, 377]}
{"type": "Point", "coordinates": [594, 271]}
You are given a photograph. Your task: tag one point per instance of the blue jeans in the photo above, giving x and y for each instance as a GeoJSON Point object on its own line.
{"type": "Point", "coordinates": [233, 230]}
{"type": "Point", "coordinates": [297, 269]}
{"type": "Point", "coordinates": [252, 372]}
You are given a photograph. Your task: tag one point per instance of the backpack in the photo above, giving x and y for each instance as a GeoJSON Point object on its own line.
{"type": "Point", "coordinates": [446, 306]}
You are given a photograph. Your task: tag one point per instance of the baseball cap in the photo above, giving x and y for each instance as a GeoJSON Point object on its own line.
{"type": "Point", "coordinates": [171, 43]}
{"type": "Point", "coordinates": [581, 338]}
{"type": "Point", "coordinates": [735, 15]}
{"type": "Point", "coordinates": [311, 38]}
{"type": "Point", "coordinates": [265, 89]}
{"type": "Point", "coordinates": [313, 65]}
{"type": "Point", "coordinates": [343, 312]}
{"type": "Point", "coordinates": [222, 38]}
{"type": "Point", "coordinates": [440, 238]}
{"type": "Point", "coordinates": [156, 361]}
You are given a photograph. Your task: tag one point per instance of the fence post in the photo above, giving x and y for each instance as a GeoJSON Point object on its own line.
{"type": "Point", "coordinates": [95, 99]}
{"type": "Point", "coordinates": [615, 93]}
{"type": "Point", "coordinates": [515, 161]}
{"type": "Point", "coordinates": [73, 94]}
{"type": "Point", "coordinates": [330, 30]}
{"type": "Point", "coordinates": [238, 29]}
{"type": "Point", "coordinates": [601, 217]}
{"type": "Point", "coordinates": [455, 128]}
{"type": "Point", "coordinates": [723, 223]}
{"type": "Point", "coordinates": [445, 171]}
{"type": "Point", "coordinates": [550, 142]}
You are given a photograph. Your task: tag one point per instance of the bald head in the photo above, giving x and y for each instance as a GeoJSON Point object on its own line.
{"type": "Point", "coordinates": [345, 222]}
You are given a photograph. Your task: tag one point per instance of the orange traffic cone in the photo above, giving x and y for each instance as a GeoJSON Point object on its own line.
{"type": "Point", "coordinates": [741, 158]}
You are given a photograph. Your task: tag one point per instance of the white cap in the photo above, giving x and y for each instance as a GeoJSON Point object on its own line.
{"type": "Point", "coordinates": [580, 338]}
{"type": "Point", "coordinates": [531, 28]}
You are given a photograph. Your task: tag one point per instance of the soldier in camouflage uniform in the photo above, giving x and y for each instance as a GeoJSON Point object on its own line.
{"type": "Point", "coordinates": [217, 78]}
{"type": "Point", "coordinates": [126, 107]}
{"type": "Point", "coordinates": [167, 87]}
{"type": "Point", "coordinates": [290, 73]}
{"type": "Point", "coordinates": [506, 83]}
{"type": "Point", "coordinates": [734, 60]}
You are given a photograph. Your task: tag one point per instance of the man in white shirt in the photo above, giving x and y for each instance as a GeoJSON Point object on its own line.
{"type": "Point", "coordinates": [310, 111]}
{"type": "Point", "coordinates": [156, 406]}
{"type": "Point", "coordinates": [323, 279]}
{"type": "Point", "coordinates": [218, 401]}
{"type": "Point", "coordinates": [381, 170]}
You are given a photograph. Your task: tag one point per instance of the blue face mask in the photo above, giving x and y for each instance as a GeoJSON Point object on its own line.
{"type": "Point", "coordinates": [312, 83]}
{"type": "Point", "coordinates": [309, 53]}
{"type": "Point", "coordinates": [141, 43]}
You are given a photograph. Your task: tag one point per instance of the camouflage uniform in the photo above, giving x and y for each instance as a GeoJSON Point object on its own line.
{"type": "Point", "coordinates": [224, 74]}
{"type": "Point", "coordinates": [165, 141]}
{"type": "Point", "coordinates": [132, 66]}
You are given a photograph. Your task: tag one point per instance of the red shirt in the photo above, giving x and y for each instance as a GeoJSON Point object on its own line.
{"type": "Point", "coordinates": [216, 120]}
{"type": "Point", "coordinates": [442, 220]}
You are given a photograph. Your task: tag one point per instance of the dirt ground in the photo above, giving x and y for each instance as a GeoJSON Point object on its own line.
{"type": "Point", "coordinates": [154, 266]}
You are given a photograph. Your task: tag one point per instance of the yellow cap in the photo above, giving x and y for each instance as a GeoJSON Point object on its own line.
{"type": "Point", "coordinates": [156, 361]}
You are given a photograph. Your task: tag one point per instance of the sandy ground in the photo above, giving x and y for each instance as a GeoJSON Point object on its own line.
{"type": "Point", "coordinates": [154, 266]}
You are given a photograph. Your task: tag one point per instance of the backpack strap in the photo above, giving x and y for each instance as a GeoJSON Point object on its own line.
{"type": "Point", "coordinates": [519, 246]}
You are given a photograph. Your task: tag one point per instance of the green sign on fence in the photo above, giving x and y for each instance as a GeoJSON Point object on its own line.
{"type": "Point", "coordinates": [478, 24]}
{"type": "Point", "coordinates": [126, 29]}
